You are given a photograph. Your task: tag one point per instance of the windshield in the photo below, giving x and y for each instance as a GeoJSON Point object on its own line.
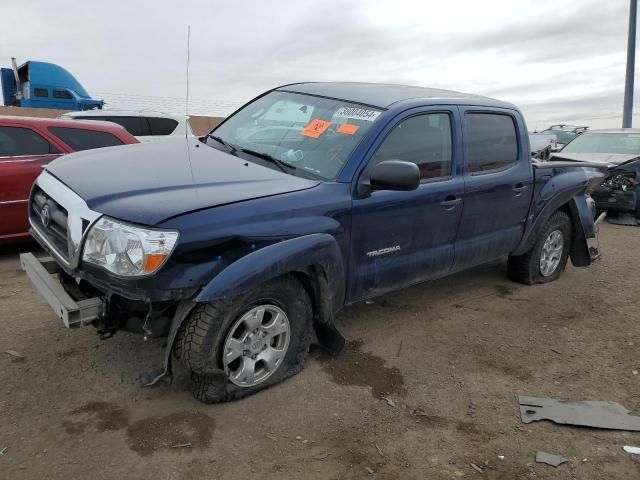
{"type": "Point", "coordinates": [624, 143]}
{"type": "Point", "coordinates": [313, 136]}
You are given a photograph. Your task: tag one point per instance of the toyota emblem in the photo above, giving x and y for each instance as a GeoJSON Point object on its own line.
{"type": "Point", "coordinates": [45, 215]}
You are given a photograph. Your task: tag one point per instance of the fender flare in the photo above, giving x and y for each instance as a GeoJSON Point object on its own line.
{"type": "Point", "coordinates": [317, 256]}
{"type": "Point", "coordinates": [318, 251]}
{"type": "Point", "coordinates": [581, 211]}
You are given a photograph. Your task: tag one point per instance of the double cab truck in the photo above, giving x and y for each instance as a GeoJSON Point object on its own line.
{"type": "Point", "coordinates": [241, 246]}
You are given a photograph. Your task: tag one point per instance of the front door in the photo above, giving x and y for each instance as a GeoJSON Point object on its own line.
{"type": "Point", "coordinates": [400, 238]}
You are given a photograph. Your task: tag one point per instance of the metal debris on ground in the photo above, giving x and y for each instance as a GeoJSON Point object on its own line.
{"type": "Point", "coordinates": [550, 459]}
{"type": "Point", "coordinates": [16, 355]}
{"type": "Point", "coordinates": [418, 412]}
{"type": "Point", "coordinates": [630, 449]}
{"type": "Point", "coordinates": [5, 449]}
{"type": "Point", "coordinates": [370, 470]}
{"type": "Point", "coordinates": [390, 402]}
{"type": "Point", "coordinates": [379, 450]}
{"type": "Point", "coordinates": [182, 445]}
{"type": "Point", "coordinates": [627, 219]}
{"type": "Point", "coordinates": [476, 467]}
{"type": "Point", "coordinates": [595, 414]}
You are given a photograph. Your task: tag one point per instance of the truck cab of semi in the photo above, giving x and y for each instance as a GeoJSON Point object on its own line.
{"type": "Point", "coordinates": [44, 85]}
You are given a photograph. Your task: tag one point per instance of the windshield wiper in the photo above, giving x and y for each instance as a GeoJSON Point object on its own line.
{"type": "Point", "coordinates": [265, 156]}
{"type": "Point", "coordinates": [230, 147]}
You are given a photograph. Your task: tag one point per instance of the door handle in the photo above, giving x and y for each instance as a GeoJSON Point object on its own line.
{"type": "Point", "coordinates": [519, 188]}
{"type": "Point", "coordinates": [450, 202]}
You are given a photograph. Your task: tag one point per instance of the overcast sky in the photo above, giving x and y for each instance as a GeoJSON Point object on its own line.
{"type": "Point", "coordinates": [560, 61]}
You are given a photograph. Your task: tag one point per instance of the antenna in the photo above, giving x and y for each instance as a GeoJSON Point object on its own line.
{"type": "Point", "coordinates": [188, 51]}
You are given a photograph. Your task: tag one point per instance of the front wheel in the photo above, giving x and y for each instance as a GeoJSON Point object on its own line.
{"type": "Point", "coordinates": [548, 257]}
{"type": "Point", "coordinates": [237, 347]}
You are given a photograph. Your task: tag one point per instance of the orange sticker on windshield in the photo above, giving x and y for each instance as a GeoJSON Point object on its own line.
{"type": "Point", "coordinates": [348, 128]}
{"type": "Point", "coordinates": [316, 128]}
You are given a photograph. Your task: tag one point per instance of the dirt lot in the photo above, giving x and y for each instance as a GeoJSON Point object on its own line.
{"type": "Point", "coordinates": [428, 385]}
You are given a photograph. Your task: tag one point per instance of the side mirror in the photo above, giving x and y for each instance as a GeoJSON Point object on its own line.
{"type": "Point", "coordinates": [395, 175]}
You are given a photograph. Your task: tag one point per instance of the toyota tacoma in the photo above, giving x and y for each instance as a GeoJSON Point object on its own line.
{"type": "Point", "coordinates": [241, 246]}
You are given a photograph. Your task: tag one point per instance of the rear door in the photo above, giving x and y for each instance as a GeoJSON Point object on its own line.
{"type": "Point", "coordinates": [497, 185]}
{"type": "Point", "coordinates": [400, 238]}
{"type": "Point", "coordinates": [136, 126]}
{"type": "Point", "coordinates": [23, 154]}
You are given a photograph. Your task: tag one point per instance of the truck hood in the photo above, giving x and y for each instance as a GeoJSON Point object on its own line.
{"type": "Point", "coordinates": [151, 182]}
{"type": "Point", "coordinates": [610, 159]}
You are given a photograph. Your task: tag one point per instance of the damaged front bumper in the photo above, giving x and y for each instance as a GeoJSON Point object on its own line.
{"type": "Point", "coordinates": [73, 311]}
{"type": "Point", "coordinates": [81, 302]}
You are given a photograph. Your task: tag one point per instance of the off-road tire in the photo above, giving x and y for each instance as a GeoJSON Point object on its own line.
{"type": "Point", "coordinates": [526, 268]}
{"type": "Point", "coordinates": [206, 328]}
{"type": "Point", "coordinates": [177, 343]}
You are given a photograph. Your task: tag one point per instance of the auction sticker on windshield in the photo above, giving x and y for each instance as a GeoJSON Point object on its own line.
{"type": "Point", "coordinates": [348, 129]}
{"type": "Point", "coordinates": [355, 113]}
{"type": "Point", "coordinates": [316, 128]}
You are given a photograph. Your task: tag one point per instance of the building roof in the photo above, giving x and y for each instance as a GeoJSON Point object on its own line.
{"type": "Point", "coordinates": [614, 130]}
{"type": "Point", "coordinates": [383, 95]}
{"type": "Point", "coordinates": [123, 113]}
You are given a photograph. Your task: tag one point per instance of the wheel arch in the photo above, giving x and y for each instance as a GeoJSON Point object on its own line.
{"type": "Point", "coordinates": [314, 260]}
{"type": "Point", "coordinates": [581, 211]}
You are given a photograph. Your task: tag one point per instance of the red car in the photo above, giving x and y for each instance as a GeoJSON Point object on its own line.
{"type": "Point", "coordinates": [27, 145]}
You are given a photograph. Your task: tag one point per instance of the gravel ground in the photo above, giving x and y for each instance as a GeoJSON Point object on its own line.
{"type": "Point", "coordinates": [428, 385]}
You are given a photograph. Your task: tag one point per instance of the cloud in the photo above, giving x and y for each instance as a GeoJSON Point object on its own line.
{"type": "Point", "coordinates": [554, 58]}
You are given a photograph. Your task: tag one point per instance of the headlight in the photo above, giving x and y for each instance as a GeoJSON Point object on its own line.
{"type": "Point", "coordinates": [127, 250]}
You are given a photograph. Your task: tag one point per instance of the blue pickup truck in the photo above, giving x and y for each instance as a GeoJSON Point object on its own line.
{"type": "Point", "coordinates": [242, 245]}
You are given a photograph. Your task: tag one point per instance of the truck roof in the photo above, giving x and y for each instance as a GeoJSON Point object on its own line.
{"type": "Point", "coordinates": [50, 74]}
{"type": "Point", "coordinates": [123, 113]}
{"type": "Point", "coordinates": [615, 130]}
{"type": "Point", "coordinates": [383, 95]}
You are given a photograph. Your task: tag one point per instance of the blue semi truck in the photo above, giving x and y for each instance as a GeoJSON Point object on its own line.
{"type": "Point", "coordinates": [44, 85]}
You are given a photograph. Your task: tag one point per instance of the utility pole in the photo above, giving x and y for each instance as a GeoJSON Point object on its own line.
{"type": "Point", "coordinates": [631, 63]}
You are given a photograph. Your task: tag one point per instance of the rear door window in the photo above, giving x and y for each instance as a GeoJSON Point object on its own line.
{"type": "Point", "coordinates": [490, 142]}
{"type": "Point", "coordinates": [136, 126]}
{"type": "Point", "coordinates": [79, 139]}
{"type": "Point", "coordinates": [162, 126]}
{"type": "Point", "coordinates": [19, 141]}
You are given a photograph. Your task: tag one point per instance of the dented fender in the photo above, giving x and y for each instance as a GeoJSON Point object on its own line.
{"type": "Point", "coordinates": [582, 212]}
{"type": "Point", "coordinates": [318, 250]}
{"type": "Point", "coordinates": [315, 254]}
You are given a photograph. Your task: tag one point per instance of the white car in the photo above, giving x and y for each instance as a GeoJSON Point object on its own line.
{"type": "Point", "coordinates": [146, 126]}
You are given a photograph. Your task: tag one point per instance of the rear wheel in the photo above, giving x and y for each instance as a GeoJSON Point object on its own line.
{"type": "Point", "coordinates": [240, 346]}
{"type": "Point", "coordinates": [548, 257]}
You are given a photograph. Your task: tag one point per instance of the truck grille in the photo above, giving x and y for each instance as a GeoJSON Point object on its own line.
{"type": "Point", "coordinates": [51, 219]}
